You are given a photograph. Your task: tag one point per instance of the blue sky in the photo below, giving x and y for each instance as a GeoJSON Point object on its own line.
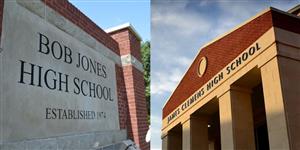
{"type": "Point", "coordinates": [178, 29]}
{"type": "Point", "coordinates": [110, 13]}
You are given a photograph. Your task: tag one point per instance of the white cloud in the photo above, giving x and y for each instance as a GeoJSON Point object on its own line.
{"type": "Point", "coordinates": [233, 14]}
{"type": "Point", "coordinates": [175, 60]}
{"type": "Point", "coordinates": [180, 21]}
{"type": "Point", "coordinates": [156, 122]}
{"type": "Point", "coordinates": [184, 23]}
{"type": "Point", "coordinates": [155, 119]}
{"type": "Point", "coordinates": [165, 81]}
{"type": "Point", "coordinates": [173, 26]}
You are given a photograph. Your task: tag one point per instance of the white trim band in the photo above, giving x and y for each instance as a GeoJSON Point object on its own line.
{"type": "Point", "coordinates": [131, 60]}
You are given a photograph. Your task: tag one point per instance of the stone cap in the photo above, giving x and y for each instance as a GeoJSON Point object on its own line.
{"type": "Point", "coordinates": [124, 26]}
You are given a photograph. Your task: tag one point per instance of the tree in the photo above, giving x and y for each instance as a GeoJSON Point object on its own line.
{"type": "Point", "coordinates": [146, 64]}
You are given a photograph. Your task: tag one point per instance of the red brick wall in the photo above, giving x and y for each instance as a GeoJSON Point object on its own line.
{"type": "Point", "coordinates": [122, 98]}
{"type": "Point", "coordinates": [74, 15]}
{"type": "Point", "coordinates": [223, 51]}
{"type": "Point", "coordinates": [1, 15]}
{"type": "Point", "coordinates": [135, 46]}
{"type": "Point", "coordinates": [128, 43]}
{"type": "Point", "coordinates": [135, 88]}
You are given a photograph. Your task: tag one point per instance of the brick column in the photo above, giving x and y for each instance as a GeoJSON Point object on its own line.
{"type": "Point", "coordinates": [129, 44]}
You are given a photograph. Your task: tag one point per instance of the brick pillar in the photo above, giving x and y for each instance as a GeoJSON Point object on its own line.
{"type": "Point", "coordinates": [129, 44]}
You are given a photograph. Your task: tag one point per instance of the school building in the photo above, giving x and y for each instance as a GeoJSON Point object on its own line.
{"type": "Point", "coordinates": [242, 91]}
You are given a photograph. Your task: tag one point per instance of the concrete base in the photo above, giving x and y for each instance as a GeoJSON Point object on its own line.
{"type": "Point", "coordinates": [95, 140]}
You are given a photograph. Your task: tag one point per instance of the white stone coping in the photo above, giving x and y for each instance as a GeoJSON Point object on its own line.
{"type": "Point", "coordinates": [131, 60]}
{"type": "Point", "coordinates": [123, 26]}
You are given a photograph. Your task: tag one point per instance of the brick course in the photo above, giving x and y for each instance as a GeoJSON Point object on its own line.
{"type": "Point", "coordinates": [122, 99]}
{"type": "Point", "coordinates": [128, 43]}
{"type": "Point", "coordinates": [221, 52]}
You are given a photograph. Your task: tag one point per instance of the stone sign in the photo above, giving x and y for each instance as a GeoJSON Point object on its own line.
{"type": "Point", "coordinates": [51, 83]}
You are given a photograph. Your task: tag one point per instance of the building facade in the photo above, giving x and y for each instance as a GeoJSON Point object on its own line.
{"type": "Point", "coordinates": [242, 90]}
{"type": "Point", "coordinates": [65, 82]}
